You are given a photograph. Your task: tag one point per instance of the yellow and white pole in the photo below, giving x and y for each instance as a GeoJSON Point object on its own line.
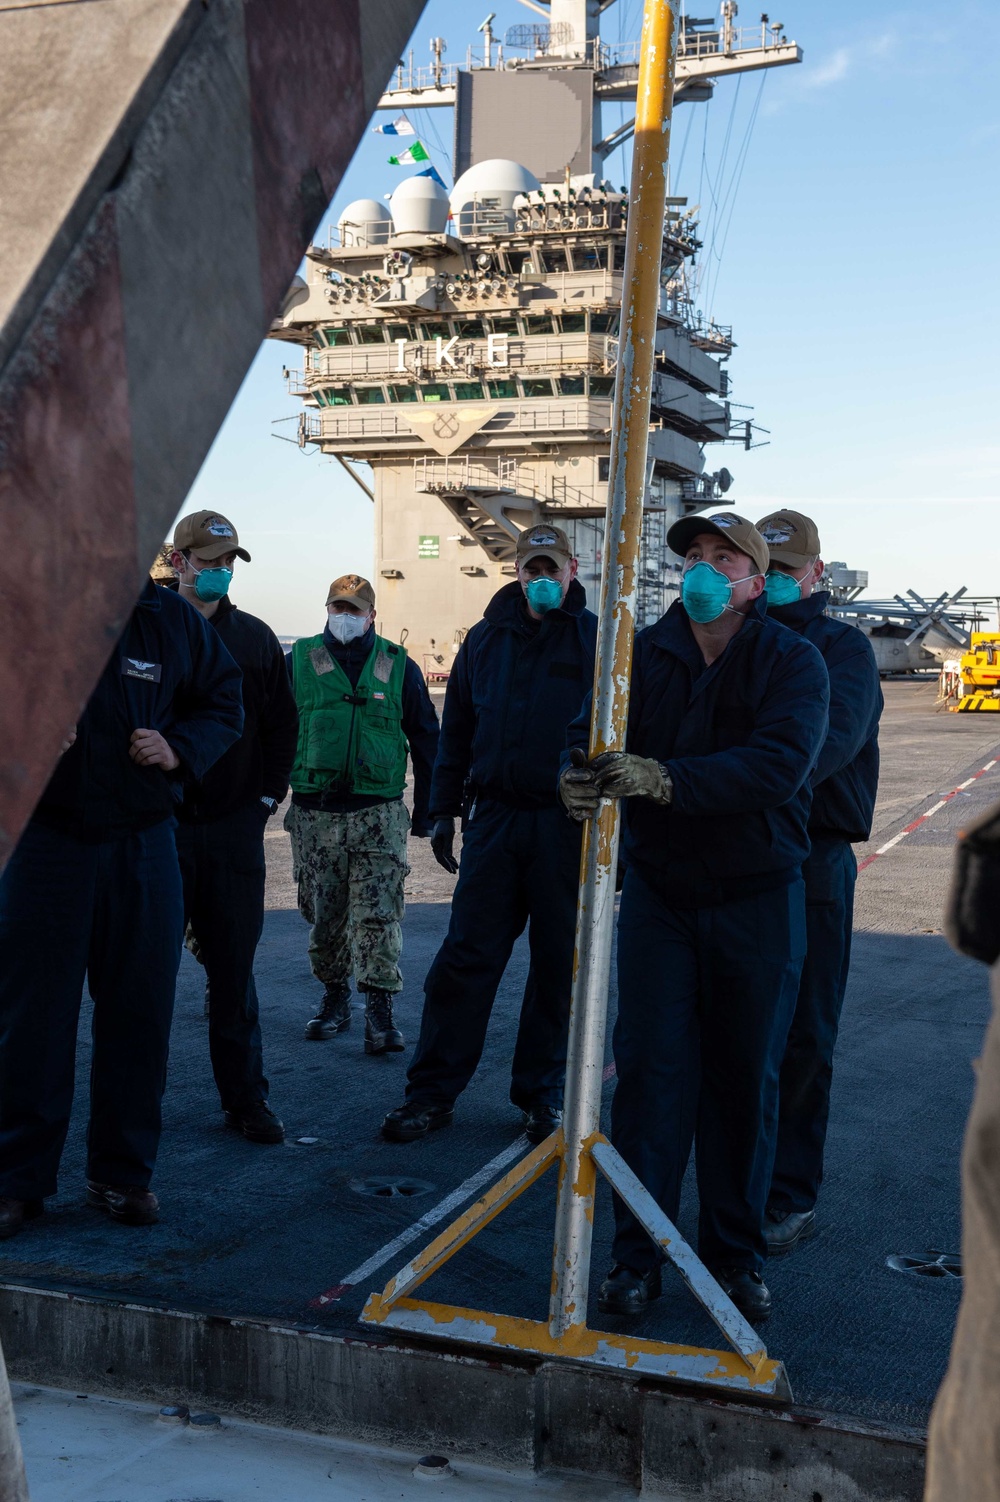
{"type": "Point", "coordinates": [629, 442]}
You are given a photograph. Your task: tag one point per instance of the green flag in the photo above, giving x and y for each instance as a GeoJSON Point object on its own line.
{"type": "Point", "coordinates": [415, 153]}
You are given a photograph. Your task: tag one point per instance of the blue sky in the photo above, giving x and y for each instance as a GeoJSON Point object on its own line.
{"type": "Point", "coordinates": [859, 273]}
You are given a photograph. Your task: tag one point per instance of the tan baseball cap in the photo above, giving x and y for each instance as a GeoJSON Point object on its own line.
{"type": "Point", "coordinates": [741, 533]}
{"type": "Point", "coordinates": [544, 540]}
{"type": "Point", "coordinates": [790, 537]}
{"type": "Point", "coordinates": [353, 590]}
{"type": "Point", "coordinates": [208, 534]}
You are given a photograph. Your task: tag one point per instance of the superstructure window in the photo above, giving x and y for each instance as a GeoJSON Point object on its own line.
{"type": "Point", "coordinates": [504, 326]}
{"type": "Point", "coordinates": [402, 393]}
{"type": "Point", "coordinates": [401, 331]}
{"type": "Point", "coordinates": [587, 258]}
{"type": "Point", "coordinates": [572, 385]}
{"type": "Point", "coordinates": [515, 259]}
{"type": "Point", "coordinates": [435, 392]}
{"type": "Point", "coordinates": [502, 390]}
{"type": "Point", "coordinates": [434, 331]}
{"type": "Point", "coordinates": [573, 323]}
{"type": "Point", "coordinates": [554, 260]}
{"type": "Point", "coordinates": [370, 396]}
{"type": "Point", "coordinates": [469, 391]}
{"type": "Point", "coordinates": [618, 263]}
{"type": "Point", "coordinates": [603, 323]}
{"type": "Point", "coordinates": [537, 387]}
{"type": "Point", "coordinates": [334, 396]}
{"type": "Point", "coordinates": [371, 333]}
{"type": "Point", "coordinates": [539, 324]}
{"type": "Point", "coordinates": [337, 336]}
{"type": "Point", "coordinates": [470, 328]}
{"type": "Point", "coordinates": [602, 385]}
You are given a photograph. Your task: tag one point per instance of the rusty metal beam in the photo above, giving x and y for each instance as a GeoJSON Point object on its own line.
{"type": "Point", "coordinates": [163, 165]}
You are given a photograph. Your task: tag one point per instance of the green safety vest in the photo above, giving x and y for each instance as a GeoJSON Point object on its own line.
{"type": "Point", "coordinates": [350, 739]}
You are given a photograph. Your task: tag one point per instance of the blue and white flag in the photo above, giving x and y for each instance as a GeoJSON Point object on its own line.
{"type": "Point", "coordinates": [398, 127]}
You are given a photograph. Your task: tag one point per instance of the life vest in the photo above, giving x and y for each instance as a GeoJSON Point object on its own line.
{"type": "Point", "coordinates": [350, 739]}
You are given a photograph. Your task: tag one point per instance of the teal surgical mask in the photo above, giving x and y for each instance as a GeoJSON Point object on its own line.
{"type": "Point", "coordinates": [544, 594]}
{"type": "Point", "coordinates": [782, 589]}
{"type": "Point", "coordinates": [212, 583]}
{"type": "Point", "coordinates": [706, 593]}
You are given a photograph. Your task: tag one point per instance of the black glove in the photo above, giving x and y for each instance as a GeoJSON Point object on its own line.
{"type": "Point", "coordinates": [620, 774]}
{"type": "Point", "coordinates": [578, 788]}
{"type": "Point", "coordinates": [443, 844]}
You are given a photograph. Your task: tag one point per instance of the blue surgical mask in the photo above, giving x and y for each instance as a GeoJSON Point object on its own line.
{"type": "Point", "coordinates": [212, 583]}
{"type": "Point", "coordinates": [706, 593]}
{"type": "Point", "coordinates": [782, 589]}
{"type": "Point", "coordinates": [544, 594]}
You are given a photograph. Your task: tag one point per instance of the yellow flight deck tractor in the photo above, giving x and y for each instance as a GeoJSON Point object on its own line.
{"type": "Point", "coordinates": [979, 672]}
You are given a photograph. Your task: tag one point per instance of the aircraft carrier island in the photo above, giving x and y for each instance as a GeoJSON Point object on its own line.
{"type": "Point", "coordinates": [464, 343]}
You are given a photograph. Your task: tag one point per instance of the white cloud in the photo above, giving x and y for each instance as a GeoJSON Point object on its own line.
{"type": "Point", "coordinates": [833, 70]}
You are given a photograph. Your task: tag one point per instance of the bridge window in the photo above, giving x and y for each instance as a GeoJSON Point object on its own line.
{"type": "Point", "coordinates": [573, 323]}
{"type": "Point", "coordinates": [435, 392]}
{"type": "Point", "coordinates": [469, 391]}
{"type": "Point", "coordinates": [572, 385]}
{"type": "Point", "coordinates": [434, 331]}
{"type": "Point", "coordinates": [371, 333]}
{"type": "Point", "coordinates": [602, 385]}
{"type": "Point", "coordinates": [539, 325]}
{"type": "Point", "coordinates": [337, 336]}
{"type": "Point", "coordinates": [401, 331]}
{"type": "Point", "coordinates": [618, 262]}
{"type": "Point", "coordinates": [603, 323]}
{"type": "Point", "coordinates": [334, 396]}
{"type": "Point", "coordinates": [502, 390]}
{"type": "Point", "coordinates": [588, 258]}
{"type": "Point", "coordinates": [537, 388]}
{"type": "Point", "coordinates": [370, 396]}
{"type": "Point", "coordinates": [470, 328]}
{"type": "Point", "coordinates": [504, 326]}
{"type": "Point", "coordinates": [554, 260]}
{"type": "Point", "coordinates": [402, 393]}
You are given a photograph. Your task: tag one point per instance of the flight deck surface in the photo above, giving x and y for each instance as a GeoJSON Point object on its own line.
{"type": "Point", "coordinates": [303, 1233]}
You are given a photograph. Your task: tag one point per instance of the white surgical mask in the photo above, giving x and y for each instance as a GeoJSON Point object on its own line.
{"type": "Point", "coordinates": [345, 627]}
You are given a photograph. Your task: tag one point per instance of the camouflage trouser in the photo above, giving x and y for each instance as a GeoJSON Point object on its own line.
{"type": "Point", "coordinates": [350, 869]}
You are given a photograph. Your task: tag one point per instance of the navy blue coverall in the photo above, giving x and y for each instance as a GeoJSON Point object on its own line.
{"type": "Point", "coordinates": [844, 783]}
{"type": "Point", "coordinates": [711, 932]}
{"type": "Point", "coordinates": [93, 891]}
{"type": "Point", "coordinates": [220, 843]}
{"type": "Point", "coordinates": [515, 686]}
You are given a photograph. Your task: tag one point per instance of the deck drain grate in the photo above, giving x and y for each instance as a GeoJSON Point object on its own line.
{"type": "Point", "coordinates": [388, 1188]}
{"type": "Point", "coordinates": [929, 1264]}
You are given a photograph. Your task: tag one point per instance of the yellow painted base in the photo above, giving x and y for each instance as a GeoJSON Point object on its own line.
{"type": "Point", "coordinates": [982, 701]}
{"type": "Point", "coordinates": [758, 1375]}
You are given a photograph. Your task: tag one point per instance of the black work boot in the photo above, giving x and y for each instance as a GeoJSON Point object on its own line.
{"type": "Point", "coordinates": [334, 1015]}
{"type": "Point", "coordinates": [624, 1291]}
{"type": "Point", "coordinates": [747, 1290]}
{"type": "Point", "coordinates": [415, 1119]}
{"type": "Point", "coordinates": [784, 1229]}
{"type": "Point", "coordinates": [381, 1033]}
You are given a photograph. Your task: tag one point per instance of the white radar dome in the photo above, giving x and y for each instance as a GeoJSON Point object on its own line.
{"type": "Point", "coordinates": [483, 198]}
{"type": "Point", "coordinates": [365, 222]}
{"type": "Point", "coordinates": [420, 207]}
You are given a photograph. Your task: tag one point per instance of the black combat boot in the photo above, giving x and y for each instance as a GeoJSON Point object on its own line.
{"type": "Point", "coordinates": [334, 1015]}
{"type": "Point", "coordinates": [381, 1033]}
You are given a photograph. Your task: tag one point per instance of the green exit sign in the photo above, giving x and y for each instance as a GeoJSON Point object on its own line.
{"type": "Point", "coordinates": [428, 547]}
